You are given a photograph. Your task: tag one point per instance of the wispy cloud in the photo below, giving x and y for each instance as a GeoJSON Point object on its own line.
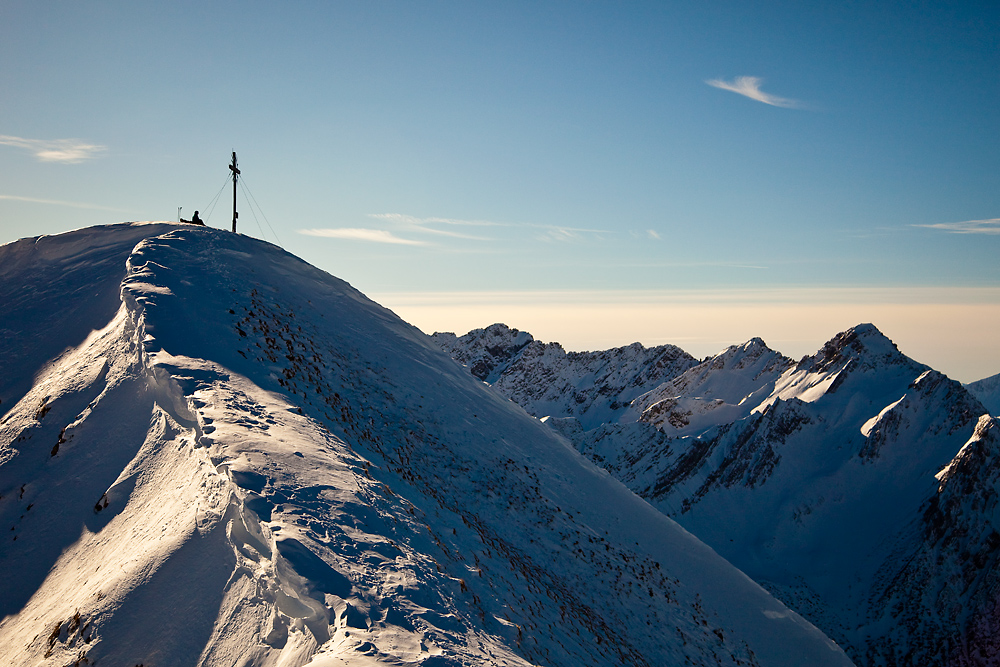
{"type": "Point", "coordinates": [749, 86]}
{"type": "Point", "coordinates": [547, 233]}
{"type": "Point", "coordinates": [68, 151]}
{"type": "Point", "coordinates": [558, 234]}
{"type": "Point", "coordinates": [413, 220]}
{"type": "Point", "coordinates": [57, 202]}
{"type": "Point", "coordinates": [357, 234]}
{"type": "Point", "coordinates": [425, 225]}
{"type": "Point", "coordinates": [991, 226]}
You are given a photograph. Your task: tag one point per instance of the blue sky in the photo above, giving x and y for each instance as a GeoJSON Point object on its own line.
{"type": "Point", "coordinates": [568, 149]}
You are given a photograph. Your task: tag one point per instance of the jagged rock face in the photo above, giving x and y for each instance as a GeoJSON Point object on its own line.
{"type": "Point", "coordinates": [251, 463]}
{"type": "Point", "coordinates": [988, 392]}
{"type": "Point", "coordinates": [822, 487]}
{"type": "Point", "coordinates": [545, 380]}
{"type": "Point", "coordinates": [486, 352]}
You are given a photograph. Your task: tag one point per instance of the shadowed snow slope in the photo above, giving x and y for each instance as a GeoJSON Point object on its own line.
{"type": "Point", "coordinates": [212, 453]}
{"type": "Point", "coordinates": [987, 391]}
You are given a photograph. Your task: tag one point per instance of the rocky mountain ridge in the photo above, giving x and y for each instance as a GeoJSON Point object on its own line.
{"type": "Point", "coordinates": [824, 481]}
{"type": "Point", "coordinates": [544, 379]}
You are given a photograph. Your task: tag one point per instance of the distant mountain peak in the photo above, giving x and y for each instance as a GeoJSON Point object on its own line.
{"type": "Point", "coordinates": [863, 343]}
{"type": "Point", "coordinates": [485, 351]}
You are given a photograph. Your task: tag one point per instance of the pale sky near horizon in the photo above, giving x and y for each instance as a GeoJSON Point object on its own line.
{"type": "Point", "coordinates": [570, 149]}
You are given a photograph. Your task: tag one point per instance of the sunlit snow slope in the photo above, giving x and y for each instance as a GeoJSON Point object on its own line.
{"type": "Point", "coordinates": [212, 453]}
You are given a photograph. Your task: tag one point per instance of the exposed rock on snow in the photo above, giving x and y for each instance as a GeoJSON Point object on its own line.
{"type": "Point", "coordinates": [937, 593]}
{"type": "Point", "coordinates": [247, 462]}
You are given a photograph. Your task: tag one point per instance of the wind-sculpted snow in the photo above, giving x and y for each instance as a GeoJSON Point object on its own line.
{"type": "Point", "coordinates": [857, 485]}
{"type": "Point", "coordinates": [545, 380]}
{"type": "Point", "coordinates": [84, 272]}
{"type": "Point", "coordinates": [250, 463]}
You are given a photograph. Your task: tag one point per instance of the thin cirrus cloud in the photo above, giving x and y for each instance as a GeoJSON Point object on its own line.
{"type": "Point", "coordinates": [425, 225]}
{"type": "Point", "coordinates": [991, 226]}
{"type": "Point", "coordinates": [749, 86]}
{"type": "Point", "coordinates": [67, 151]}
{"type": "Point", "coordinates": [359, 234]}
{"type": "Point", "coordinates": [431, 226]}
{"type": "Point", "coordinates": [544, 233]}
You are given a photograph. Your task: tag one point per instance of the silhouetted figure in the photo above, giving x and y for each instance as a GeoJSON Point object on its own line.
{"type": "Point", "coordinates": [195, 220]}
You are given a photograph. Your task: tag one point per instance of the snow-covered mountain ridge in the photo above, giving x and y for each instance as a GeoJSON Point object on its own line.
{"type": "Point", "coordinates": [827, 481]}
{"type": "Point", "coordinates": [246, 462]}
{"type": "Point", "coordinates": [722, 389]}
{"type": "Point", "coordinates": [594, 387]}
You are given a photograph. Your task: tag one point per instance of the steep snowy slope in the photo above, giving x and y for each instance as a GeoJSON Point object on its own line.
{"type": "Point", "coordinates": [594, 387]}
{"type": "Point", "coordinates": [828, 483]}
{"type": "Point", "coordinates": [249, 463]}
{"type": "Point", "coordinates": [988, 392]}
{"type": "Point", "coordinates": [936, 599]}
{"type": "Point", "coordinates": [843, 451]}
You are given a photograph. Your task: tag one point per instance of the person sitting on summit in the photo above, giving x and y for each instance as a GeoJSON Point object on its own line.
{"type": "Point", "coordinates": [195, 220]}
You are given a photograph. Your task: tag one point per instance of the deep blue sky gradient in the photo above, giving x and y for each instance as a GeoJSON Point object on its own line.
{"type": "Point", "coordinates": [574, 128]}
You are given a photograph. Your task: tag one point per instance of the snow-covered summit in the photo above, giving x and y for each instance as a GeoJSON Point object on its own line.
{"type": "Point", "coordinates": [248, 462]}
{"type": "Point", "coordinates": [862, 355]}
{"type": "Point", "coordinates": [721, 389]}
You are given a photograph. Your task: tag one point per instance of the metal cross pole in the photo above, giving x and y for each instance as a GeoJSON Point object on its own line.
{"type": "Point", "coordinates": [236, 174]}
